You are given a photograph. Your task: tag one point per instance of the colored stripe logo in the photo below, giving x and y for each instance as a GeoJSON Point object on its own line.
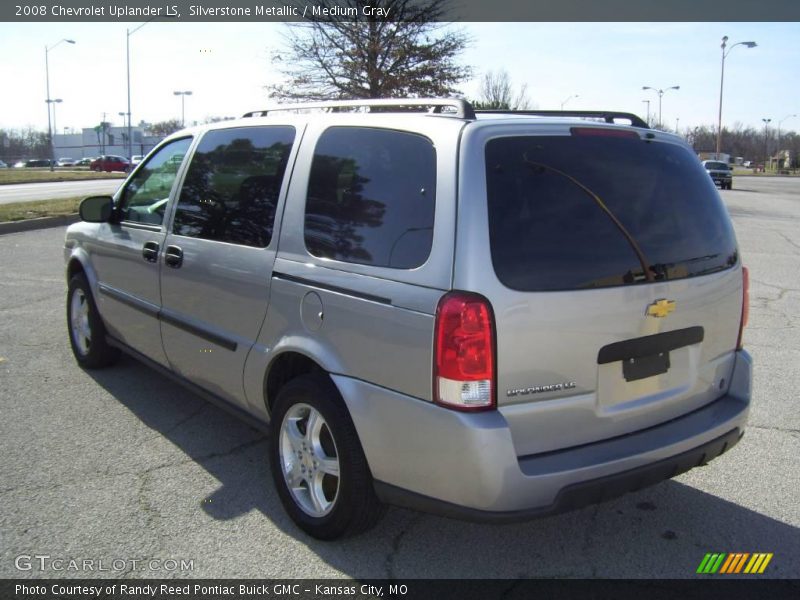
{"type": "Point", "coordinates": [736, 562]}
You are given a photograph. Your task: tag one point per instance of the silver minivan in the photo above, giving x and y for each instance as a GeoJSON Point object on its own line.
{"type": "Point", "coordinates": [485, 315]}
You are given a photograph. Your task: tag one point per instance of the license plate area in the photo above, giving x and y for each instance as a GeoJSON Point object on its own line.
{"type": "Point", "coordinates": [642, 367]}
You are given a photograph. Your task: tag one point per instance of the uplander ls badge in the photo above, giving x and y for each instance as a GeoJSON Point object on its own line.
{"type": "Point", "coordinates": [660, 308]}
{"type": "Point", "coordinates": [538, 389]}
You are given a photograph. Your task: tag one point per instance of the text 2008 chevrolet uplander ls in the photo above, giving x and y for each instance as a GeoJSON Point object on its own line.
{"type": "Point", "coordinates": [492, 315]}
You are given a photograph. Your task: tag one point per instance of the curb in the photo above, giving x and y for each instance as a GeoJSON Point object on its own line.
{"type": "Point", "coordinates": [41, 223]}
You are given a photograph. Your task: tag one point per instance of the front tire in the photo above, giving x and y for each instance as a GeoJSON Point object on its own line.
{"type": "Point", "coordinates": [87, 334]}
{"type": "Point", "coordinates": [318, 465]}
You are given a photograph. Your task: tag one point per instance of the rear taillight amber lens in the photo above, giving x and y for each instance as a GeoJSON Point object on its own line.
{"type": "Point", "coordinates": [745, 304]}
{"type": "Point", "coordinates": [464, 353]}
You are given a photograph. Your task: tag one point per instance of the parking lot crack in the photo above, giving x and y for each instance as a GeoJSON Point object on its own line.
{"type": "Point", "coordinates": [773, 428]}
{"type": "Point", "coordinates": [389, 562]}
{"type": "Point", "coordinates": [789, 240]}
{"type": "Point", "coordinates": [185, 420]}
{"type": "Point", "coordinates": [232, 451]}
{"type": "Point", "coordinates": [151, 514]}
{"type": "Point", "coordinates": [588, 536]}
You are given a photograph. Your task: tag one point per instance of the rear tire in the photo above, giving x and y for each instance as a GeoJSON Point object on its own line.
{"type": "Point", "coordinates": [318, 465]}
{"type": "Point", "coordinates": [87, 333]}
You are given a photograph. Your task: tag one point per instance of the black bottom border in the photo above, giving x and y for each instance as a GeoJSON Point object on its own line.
{"type": "Point", "coordinates": [707, 587]}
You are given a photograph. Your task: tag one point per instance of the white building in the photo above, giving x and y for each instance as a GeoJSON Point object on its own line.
{"type": "Point", "coordinates": [93, 141]}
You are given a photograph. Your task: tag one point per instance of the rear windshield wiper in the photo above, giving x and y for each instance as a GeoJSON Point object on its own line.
{"type": "Point", "coordinates": [648, 272]}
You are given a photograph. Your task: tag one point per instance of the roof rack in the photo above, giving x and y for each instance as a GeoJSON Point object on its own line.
{"type": "Point", "coordinates": [607, 115]}
{"type": "Point", "coordinates": [459, 108]}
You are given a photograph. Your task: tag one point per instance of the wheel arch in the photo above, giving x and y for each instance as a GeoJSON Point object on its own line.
{"type": "Point", "coordinates": [78, 262]}
{"type": "Point", "coordinates": [284, 367]}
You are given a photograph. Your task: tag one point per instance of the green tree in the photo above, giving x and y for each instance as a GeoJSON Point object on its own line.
{"type": "Point", "coordinates": [360, 56]}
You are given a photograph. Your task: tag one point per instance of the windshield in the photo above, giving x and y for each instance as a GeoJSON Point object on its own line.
{"type": "Point", "coordinates": [576, 212]}
{"type": "Point", "coordinates": [716, 166]}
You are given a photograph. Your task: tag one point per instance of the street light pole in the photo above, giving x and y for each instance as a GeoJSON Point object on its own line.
{"type": "Point", "coordinates": [660, 93]}
{"type": "Point", "coordinates": [779, 128]}
{"type": "Point", "coordinates": [648, 112]}
{"type": "Point", "coordinates": [128, 34]}
{"type": "Point", "coordinates": [766, 141]}
{"type": "Point", "coordinates": [183, 106]}
{"type": "Point", "coordinates": [55, 128]}
{"type": "Point", "coordinates": [567, 100]}
{"type": "Point", "coordinates": [721, 83]}
{"type": "Point", "coordinates": [48, 100]}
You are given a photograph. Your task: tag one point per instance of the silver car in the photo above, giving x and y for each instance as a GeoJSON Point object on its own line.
{"type": "Point", "coordinates": [720, 173]}
{"type": "Point", "coordinates": [486, 315]}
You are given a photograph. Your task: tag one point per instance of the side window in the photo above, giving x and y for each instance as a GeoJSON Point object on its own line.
{"type": "Point", "coordinates": [147, 193]}
{"type": "Point", "coordinates": [371, 197]}
{"type": "Point", "coordinates": [231, 188]}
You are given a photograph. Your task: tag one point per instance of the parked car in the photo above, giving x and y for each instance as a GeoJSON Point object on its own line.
{"type": "Point", "coordinates": [3, 165]}
{"type": "Point", "coordinates": [136, 159]}
{"type": "Point", "coordinates": [32, 162]}
{"type": "Point", "coordinates": [84, 162]}
{"type": "Point", "coordinates": [110, 162]}
{"type": "Point", "coordinates": [65, 162]}
{"type": "Point", "coordinates": [720, 173]}
{"type": "Point", "coordinates": [485, 315]}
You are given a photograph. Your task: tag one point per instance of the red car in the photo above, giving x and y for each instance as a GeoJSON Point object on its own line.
{"type": "Point", "coordinates": [108, 162]}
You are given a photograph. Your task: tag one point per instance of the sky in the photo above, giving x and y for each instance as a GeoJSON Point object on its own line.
{"type": "Point", "coordinates": [227, 65]}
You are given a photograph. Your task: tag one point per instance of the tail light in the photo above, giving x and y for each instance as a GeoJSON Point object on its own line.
{"type": "Point", "coordinates": [464, 353]}
{"type": "Point", "coordinates": [745, 305]}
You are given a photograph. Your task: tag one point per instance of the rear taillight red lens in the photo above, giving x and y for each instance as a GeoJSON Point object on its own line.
{"type": "Point", "coordinates": [745, 304]}
{"type": "Point", "coordinates": [464, 353]}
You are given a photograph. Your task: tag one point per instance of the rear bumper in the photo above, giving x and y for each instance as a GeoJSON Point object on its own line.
{"type": "Point", "coordinates": [573, 496]}
{"type": "Point", "coordinates": [464, 464]}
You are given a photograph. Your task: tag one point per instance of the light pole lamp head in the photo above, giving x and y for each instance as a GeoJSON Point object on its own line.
{"type": "Point", "coordinates": [675, 87]}
{"type": "Point", "coordinates": [724, 41]}
{"type": "Point", "coordinates": [750, 44]}
{"type": "Point", "coordinates": [70, 41]}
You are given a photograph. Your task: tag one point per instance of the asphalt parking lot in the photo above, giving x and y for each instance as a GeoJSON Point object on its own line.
{"type": "Point", "coordinates": [122, 464]}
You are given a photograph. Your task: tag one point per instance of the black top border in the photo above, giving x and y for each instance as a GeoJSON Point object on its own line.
{"type": "Point", "coordinates": [349, 10]}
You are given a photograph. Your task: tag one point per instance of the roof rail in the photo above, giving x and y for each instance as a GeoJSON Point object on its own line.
{"type": "Point", "coordinates": [607, 115]}
{"type": "Point", "coordinates": [461, 109]}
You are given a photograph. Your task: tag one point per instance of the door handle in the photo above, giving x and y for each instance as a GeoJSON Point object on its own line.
{"type": "Point", "coordinates": [150, 251]}
{"type": "Point", "coordinates": [173, 257]}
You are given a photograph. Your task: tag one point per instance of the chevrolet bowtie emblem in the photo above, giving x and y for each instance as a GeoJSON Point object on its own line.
{"type": "Point", "coordinates": [660, 308]}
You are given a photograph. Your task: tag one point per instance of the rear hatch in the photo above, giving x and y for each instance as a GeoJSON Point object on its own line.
{"type": "Point", "coordinates": [612, 272]}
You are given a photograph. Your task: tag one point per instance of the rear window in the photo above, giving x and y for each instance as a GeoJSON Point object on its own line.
{"type": "Point", "coordinates": [591, 211]}
{"type": "Point", "coordinates": [371, 197]}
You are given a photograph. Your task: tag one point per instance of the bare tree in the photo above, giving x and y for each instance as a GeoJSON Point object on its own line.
{"type": "Point", "coordinates": [497, 92]}
{"type": "Point", "coordinates": [357, 56]}
{"type": "Point", "coordinates": [165, 128]}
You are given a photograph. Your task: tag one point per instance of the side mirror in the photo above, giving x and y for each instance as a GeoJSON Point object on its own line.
{"type": "Point", "coordinates": [96, 209]}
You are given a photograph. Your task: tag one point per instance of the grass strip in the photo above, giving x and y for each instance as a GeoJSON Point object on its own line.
{"type": "Point", "coordinates": [11, 176]}
{"type": "Point", "coordinates": [18, 211]}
